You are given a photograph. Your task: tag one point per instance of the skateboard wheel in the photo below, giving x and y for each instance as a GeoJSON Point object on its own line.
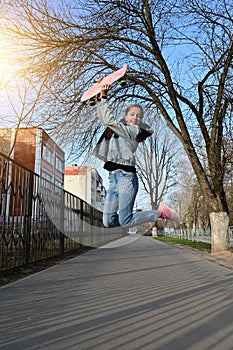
{"type": "Point", "coordinates": [123, 82]}
{"type": "Point", "coordinates": [92, 101]}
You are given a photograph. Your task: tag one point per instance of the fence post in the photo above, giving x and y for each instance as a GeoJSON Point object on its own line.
{"type": "Point", "coordinates": [61, 231]}
{"type": "Point", "coordinates": [27, 217]}
{"type": "Point", "coordinates": [81, 221]}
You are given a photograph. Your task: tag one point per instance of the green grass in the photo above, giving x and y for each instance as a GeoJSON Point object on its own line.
{"type": "Point", "coordinates": [194, 244]}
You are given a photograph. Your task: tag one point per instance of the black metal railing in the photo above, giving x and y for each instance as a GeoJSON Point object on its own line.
{"type": "Point", "coordinates": [40, 220]}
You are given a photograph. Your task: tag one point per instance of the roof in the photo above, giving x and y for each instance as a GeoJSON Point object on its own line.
{"type": "Point", "coordinates": [75, 170]}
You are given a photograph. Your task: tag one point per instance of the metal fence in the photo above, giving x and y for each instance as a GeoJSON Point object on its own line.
{"type": "Point", "coordinates": [40, 220]}
{"type": "Point", "coordinates": [199, 235]}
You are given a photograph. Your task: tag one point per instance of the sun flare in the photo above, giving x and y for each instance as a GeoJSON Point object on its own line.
{"type": "Point", "coordinates": [7, 64]}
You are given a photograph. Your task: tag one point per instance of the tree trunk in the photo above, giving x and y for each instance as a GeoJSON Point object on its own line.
{"type": "Point", "coordinates": [219, 231]}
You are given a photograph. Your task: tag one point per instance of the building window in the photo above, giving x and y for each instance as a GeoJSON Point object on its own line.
{"type": "Point", "coordinates": [48, 179]}
{"type": "Point", "coordinates": [59, 164]}
{"type": "Point", "coordinates": [59, 183]}
{"type": "Point", "coordinates": [47, 153]}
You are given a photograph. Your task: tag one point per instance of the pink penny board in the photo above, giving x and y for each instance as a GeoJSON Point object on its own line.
{"type": "Point", "coordinates": [109, 79]}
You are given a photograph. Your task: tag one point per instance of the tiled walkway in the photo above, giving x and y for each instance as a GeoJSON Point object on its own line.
{"type": "Point", "coordinates": [133, 294]}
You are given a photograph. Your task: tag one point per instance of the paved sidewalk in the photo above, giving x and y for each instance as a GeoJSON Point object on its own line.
{"type": "Point", "coordinates": [133, 294]}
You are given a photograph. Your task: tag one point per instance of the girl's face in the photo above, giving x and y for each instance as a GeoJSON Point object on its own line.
{"type": "Point", "coordinates": [134, 116]}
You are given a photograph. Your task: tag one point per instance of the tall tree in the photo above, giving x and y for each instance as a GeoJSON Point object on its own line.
{"type": "Point", "coordinates": [179, 55]}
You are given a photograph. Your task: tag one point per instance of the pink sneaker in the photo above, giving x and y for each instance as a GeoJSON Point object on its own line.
{"type": "Point", "coordinates": [166, 213]}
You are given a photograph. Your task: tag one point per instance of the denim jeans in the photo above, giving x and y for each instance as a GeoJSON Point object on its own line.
{"type": "Point", "coordinates": [119, 203]}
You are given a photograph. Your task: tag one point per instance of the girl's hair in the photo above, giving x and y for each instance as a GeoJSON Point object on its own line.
{"type": "Point", "coordinates": [134, 105]}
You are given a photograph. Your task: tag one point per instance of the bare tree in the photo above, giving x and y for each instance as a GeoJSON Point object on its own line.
{"type": "Point", "coordinates": [20, 113]}
{"type": "Point", "coordinates": [181, 195]}
{"type": "Point", "coordinates": [156, 161]}
{"type": "Point", "coordinates": [19, 93]}
{"type": "Point", "coordinates": [180, 60]}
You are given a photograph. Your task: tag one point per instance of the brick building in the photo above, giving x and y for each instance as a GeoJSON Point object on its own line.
{"type": "Point", "coordinates": [34, 149]}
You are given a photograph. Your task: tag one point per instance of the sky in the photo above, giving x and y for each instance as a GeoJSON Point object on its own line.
{"type": "Point", "coordinates": [7, 81]}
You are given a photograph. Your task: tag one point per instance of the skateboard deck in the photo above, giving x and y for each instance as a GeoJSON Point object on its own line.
{"type": "Point", "coordinates": [108, 80]}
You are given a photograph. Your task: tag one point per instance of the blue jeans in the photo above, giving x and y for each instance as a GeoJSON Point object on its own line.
{"type": "Point", "coordinates": [119, 203]}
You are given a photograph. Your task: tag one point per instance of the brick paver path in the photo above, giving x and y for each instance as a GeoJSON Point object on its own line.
{"type": "Point", "coordinates": [134, 294]}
